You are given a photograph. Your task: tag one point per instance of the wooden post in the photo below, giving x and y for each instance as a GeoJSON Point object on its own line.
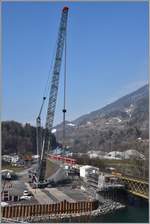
{"type": "Point", "coordinates": [33, 211]}
{"type": "Point", "coordinates": [49, 208]}
{"type": "Point", "coordinates": [22, 210]}
{"type": "Point", "coordinates": [8, 212]}
{"type": "Point", "coordinates": [5, 212]}
{"type": "Point", "coordinates": [61, 207]}
{"type": "Point", "coordinates": [46, 209]}
{"type": "Point", "coordinates": [88, 205]}
{"type": "Point", "coordinates": [91, 206]}
{"type": "Point", "coordinates": [19, 211]}
{"type": "Point", "coordinates": [13, 211]}
{"type": "Point", "coordinates": [38, 209]}
{"type": "Point", "coordinates": [42, 210]}
{"type": "Point", "coordinates": [65, 206]}
{"type": "Point", "coordinates": [78, 207]}
{"type": "Point", "coordinates": [16, 211]}
{"type": "Point", "coordinates": [75, 205]}
{"type": "Point", "coordinates": [69, 207]}
{"type": "Point", "coordinates": [58, 208]}
{"type": "Point", "coordinates": [29, 210]}
{"type": "Point", "coordinates": [3, 209]}
{"type": "Point", "coordinates": [25, 211]}
{"type": "Point", "coordinates": [82, 206]}
{"type": "Point", "coordinates": [53, 209]}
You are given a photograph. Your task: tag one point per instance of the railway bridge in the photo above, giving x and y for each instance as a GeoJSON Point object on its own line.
{"type": "Point", "coordinates": [135, 186]}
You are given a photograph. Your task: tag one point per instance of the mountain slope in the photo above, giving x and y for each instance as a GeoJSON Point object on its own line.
{"type": "Point", "coordinates": [117, 125]}
{"type": "Point", "coordinates": [119, 105]}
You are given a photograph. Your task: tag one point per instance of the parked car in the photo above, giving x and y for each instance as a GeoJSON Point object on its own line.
{"type": "Point", "coordinates": [25, 197]}
{"type": "Point", "coordinates": [25, 193]}
{"type": "Point", "coordinates": [4, 204]}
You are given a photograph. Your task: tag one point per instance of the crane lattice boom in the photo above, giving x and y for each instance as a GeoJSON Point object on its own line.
{"type": "Point", "coordinates": [53, 94]}
{"type": "Point", "coordinates": [56, 70]}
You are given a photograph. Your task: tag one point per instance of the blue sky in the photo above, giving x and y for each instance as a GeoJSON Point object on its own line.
{"type": "Point", "coordinates": [107, 55]}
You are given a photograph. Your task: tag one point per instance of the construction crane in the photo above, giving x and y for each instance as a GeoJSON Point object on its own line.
{"type": "Point", "coordinates": [43, 145]}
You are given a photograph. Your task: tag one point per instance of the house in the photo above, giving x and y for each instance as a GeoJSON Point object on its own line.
{"type": "Point", "coordinates": [85, 170]}
{"type": "Point", "coordinates": [128, 154]}
{"type": "Point", "coordinates": [7, 158]}
{"type": "Point", "coordinates": [14, 159]}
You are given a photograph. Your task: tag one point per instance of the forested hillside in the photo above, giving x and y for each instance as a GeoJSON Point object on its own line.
{"type": "Point", "coordinates": [18, 138]}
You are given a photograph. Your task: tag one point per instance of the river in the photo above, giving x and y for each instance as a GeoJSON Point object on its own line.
{"type": "Point", "coordinates": [130, 214]}
{"type": "Point", "coordinates": [136, 211]}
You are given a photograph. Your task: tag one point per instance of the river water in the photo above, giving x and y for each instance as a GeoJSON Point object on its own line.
{"type": "Point", "coordinates": [136, 211]}
{"type": "Point", "coordinates": [130, 214]}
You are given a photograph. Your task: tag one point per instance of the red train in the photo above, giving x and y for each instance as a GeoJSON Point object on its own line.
{"type": "Point", "coordinates": [64, 159]}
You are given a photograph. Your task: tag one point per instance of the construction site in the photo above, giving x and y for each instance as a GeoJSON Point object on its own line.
{"type": "Point", "coordinates": [54, 186]}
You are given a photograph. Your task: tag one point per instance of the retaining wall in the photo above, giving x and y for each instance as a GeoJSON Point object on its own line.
{"type": "Point", "coordinates": [48, 209]}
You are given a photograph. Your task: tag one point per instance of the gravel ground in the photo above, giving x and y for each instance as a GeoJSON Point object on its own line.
{"type": "Point", "coordinates": [18, 186]}
{"type": "Point", "coordinates": [75, 194]}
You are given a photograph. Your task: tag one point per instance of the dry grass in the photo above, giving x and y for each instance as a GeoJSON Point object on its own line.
{"type": "Point", "coordinates": [14, 168]}
{"type": "Point", "coordinates": [51, 168]}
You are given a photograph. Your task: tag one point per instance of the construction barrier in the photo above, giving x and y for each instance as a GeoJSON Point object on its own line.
{"type": "Point", "coordinates": [21, 211]}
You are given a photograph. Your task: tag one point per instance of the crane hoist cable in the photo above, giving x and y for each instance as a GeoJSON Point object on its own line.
{"type": "Point", "coordinates": [47, 84]}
